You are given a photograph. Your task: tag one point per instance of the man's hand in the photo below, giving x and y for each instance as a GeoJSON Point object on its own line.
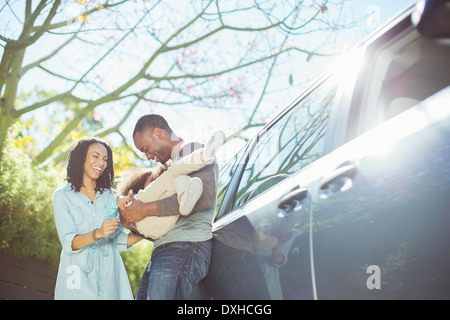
{"type": "Point", "coordinates": [132, 208]}
{"type": "Point", "coordinates": [137, 210]}
{"type": "Point", "coordinates": [122, 201]}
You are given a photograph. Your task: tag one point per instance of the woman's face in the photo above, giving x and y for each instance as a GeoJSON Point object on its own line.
{"type": "Point", "coordinates": [96, 161]}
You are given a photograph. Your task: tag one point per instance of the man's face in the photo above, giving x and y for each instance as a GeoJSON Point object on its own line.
{"type": "Point", "coordinates": [152, 145]}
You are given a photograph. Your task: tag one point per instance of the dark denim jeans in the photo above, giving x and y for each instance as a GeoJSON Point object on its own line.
{"type": "Point", "coordinates": [174, 269]}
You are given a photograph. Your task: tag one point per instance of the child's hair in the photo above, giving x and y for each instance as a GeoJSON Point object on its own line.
{"type": "Point", "coordinates": [135, 179]}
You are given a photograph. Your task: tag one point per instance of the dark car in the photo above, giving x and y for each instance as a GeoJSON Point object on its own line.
{"type": "Point", "coordinates": [346, 193]}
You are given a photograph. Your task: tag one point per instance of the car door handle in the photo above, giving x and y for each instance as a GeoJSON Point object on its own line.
{"type": "Point", "coordinates": [290, 202]}
{"type": "Point", "coordinates": [339, 180]}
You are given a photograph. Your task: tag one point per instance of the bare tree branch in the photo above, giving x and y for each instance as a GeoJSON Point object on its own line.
{"type": "Point", "coordinates": [158, 52]}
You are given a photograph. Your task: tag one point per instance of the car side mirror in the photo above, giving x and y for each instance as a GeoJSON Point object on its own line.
{"type": "Point", "coordinates": [432, 18]}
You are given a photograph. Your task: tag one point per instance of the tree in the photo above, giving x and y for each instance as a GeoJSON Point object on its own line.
{"type": "Point", "coordinates": [27, 134]}
{"type": "Point", "coordinates": [119, 54]}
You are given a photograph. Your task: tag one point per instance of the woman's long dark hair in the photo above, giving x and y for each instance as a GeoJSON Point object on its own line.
{"type": "Point", "coordinates": [75, 165]}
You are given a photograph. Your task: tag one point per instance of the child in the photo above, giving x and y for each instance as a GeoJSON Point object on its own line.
{"type": "Point", "coordinates": [165, 181]}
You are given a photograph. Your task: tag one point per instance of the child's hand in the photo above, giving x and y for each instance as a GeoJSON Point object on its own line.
{"type": "Point", "coordinates": [130, 196]}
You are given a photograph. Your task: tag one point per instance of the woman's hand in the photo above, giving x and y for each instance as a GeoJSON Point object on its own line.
{"type": "Point", "coordinates": [108, 227]}
{"type": "Point", "coordinates": [82, 240]}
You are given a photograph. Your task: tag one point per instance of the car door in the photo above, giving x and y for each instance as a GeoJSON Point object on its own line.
{"type": "Point", "coordinates": [381, 207]}
{"type": "Point", "coordinates": [381, 210]}
{"type": "Point", "coordinates": [264, 211]}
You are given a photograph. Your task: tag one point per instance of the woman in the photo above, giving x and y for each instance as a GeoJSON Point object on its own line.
{"type": "Point", "coordinates": [90, 265]}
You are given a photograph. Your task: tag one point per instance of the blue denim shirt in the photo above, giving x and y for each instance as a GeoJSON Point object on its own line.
{"type": "Point", "coordinates": [97, 270]}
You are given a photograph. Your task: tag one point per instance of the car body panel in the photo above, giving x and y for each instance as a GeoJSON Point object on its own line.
{"type": "Point", "coordinates": [393, 213]}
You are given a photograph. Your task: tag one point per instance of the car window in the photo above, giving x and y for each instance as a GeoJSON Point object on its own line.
{"type": "Point", "coordinates": [293, 142]}
{"type": "Point", "coordinates": [226, 174]}
{"type": "Point", "coordinates": [403, 72]}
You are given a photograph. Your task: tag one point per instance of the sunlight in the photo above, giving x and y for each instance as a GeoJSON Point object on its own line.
{"type": "Point", "coordinates": [346, 67]}
{"type": "Point", "coordinates": [383, 138]}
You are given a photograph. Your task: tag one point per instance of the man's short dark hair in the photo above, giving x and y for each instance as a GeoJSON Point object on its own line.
{"type": "Point", "coordinates": [149, 122]}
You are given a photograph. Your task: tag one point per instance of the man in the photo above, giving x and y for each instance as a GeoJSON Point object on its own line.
{"type": "Point", "coordinates": [181, 258]}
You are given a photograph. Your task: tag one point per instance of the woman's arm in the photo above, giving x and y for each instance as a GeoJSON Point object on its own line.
{"type": "Point", "coordinates": [82, 240]}
{"type": "Point", "coordinates": [132, 239]}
